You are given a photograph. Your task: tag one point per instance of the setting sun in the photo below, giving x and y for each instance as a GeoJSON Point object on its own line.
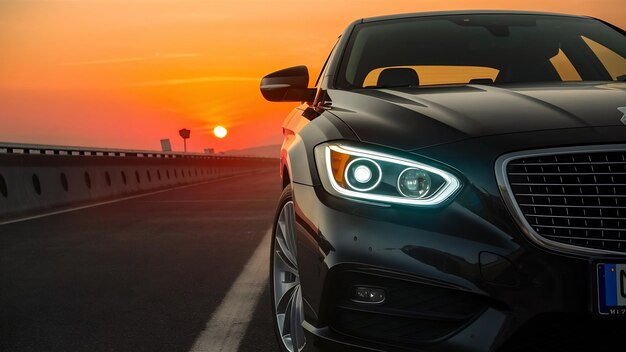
{"type": "Point", "coordinates": [220, 132]}
{"type": "Point", "coordinates": [151, 66]}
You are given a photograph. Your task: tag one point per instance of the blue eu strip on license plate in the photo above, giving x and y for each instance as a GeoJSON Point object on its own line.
{"type": "Point", "coordinates": [611, 289]}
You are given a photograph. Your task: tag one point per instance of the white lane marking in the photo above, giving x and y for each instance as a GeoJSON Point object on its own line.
{"type": "Point", "coordinates": [228, 324]}
{"type": "Point", "coordinates": [32, 217]}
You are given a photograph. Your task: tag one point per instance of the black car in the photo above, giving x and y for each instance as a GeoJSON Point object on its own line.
{"type": "Point", "coordinates": [455, 181]}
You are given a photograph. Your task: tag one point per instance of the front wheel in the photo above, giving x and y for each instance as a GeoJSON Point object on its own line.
{"type": "Point", "coordinates": [286, 294]}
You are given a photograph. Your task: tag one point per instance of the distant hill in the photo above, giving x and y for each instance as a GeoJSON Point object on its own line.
{"type": "Point", "coordinates": [266, 151]}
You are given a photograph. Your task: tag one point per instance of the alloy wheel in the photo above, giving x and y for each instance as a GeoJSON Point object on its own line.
{"type": "Point", "coordinates": [286, 286]}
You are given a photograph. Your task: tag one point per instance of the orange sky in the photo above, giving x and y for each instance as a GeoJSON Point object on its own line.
{"type": "Point", "coordinates": [124, 74]}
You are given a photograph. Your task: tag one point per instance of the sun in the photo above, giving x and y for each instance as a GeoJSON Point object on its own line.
{"type": "Point", "coordinates": [220, 132]}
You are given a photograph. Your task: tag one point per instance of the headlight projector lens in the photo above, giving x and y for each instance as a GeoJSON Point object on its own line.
{"type": "Point", "coordinates": [363, 174]}
{"type": "Point", "coordinates": [414, 183]}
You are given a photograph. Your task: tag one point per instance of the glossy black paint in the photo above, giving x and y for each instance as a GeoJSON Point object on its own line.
{"type": "Point", "coordinates": [438, 115]}
{"type": "Point", "coordinates": [290, 84]}
{"type": "Point", "coordinates": [472, 244]}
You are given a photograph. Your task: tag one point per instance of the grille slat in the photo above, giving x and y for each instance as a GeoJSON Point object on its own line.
{"type": "Point", "coordinates": [567, 184]}
{"type": "Point", "coordinates": [579, 228]}
{"type": "Point", "coordinates": [576, 198]}
{"type": "Point", "coordinates": [570, 195]}
{"type": "Point", "coordinates": [563, 173]}
{"type": "Point", "coordinates": [572, 206]}
{"type": "Point", "coordinates": [568, 163]}
{"type": "Point", "coordinates": [581, 238]}
{"type": "Point", "coordinates": [574, 217]}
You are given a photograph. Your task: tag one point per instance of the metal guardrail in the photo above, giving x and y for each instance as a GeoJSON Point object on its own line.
{"type": "Point", "coordinates": [40, 178]}
{"type": "Point", "coordinates": [43, 149]}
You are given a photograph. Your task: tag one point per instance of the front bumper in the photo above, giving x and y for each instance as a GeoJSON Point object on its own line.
{"type": "Point", "coordinates": [427, 259]}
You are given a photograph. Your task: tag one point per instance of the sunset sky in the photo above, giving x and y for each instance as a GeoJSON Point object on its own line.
{"type": "Point", "coordinates": [125, 74]}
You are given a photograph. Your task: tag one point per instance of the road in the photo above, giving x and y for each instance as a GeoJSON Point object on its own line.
{"type": "Point", "coordinates": [145, 274]}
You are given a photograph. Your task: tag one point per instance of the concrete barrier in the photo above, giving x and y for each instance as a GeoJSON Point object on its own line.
{"type": "Point", "coordinates": [36, 179]}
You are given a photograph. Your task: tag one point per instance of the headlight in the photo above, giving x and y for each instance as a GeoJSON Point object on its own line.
{"type": "Point", "coordinates": [360, 173]}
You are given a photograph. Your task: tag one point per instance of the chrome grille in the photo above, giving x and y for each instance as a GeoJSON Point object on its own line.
{"type": "Point", "coordinates": [574, 198]}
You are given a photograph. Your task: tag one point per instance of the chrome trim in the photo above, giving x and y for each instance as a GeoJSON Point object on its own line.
{"type": "Point", "coordinates": [509, 198]}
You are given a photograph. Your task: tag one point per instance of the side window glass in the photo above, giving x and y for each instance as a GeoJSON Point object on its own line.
{"type": "Point", "coordinates": [614, 63]}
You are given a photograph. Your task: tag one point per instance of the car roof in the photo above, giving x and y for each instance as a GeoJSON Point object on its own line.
{"type": "Point", "coordinates": [465, 12]}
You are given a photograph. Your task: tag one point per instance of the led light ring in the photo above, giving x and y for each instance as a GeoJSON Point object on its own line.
{"type": "Point", "coordinates": [452, 183]}
{"type": "Point", "coordinates": [400, 176]}
{"type": "Point", "coordinates": [380, 175]}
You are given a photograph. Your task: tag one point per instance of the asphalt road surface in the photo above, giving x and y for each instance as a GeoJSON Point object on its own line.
{"type": "Point", "coordinates": [146, 274]}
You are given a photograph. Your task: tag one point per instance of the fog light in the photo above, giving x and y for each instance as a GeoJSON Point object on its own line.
{"type": "Point", "coordinates": [364, 294]}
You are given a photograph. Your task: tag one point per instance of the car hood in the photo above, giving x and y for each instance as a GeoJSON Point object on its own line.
{"type": "Point", "coordinates": [409, 119]}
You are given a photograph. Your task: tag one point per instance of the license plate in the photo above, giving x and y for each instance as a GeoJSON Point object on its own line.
{"type": "Point", "coordinates": [611, 288]}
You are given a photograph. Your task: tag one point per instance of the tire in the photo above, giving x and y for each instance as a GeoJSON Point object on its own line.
{"type": "Point", "coordinates": [286, 294]}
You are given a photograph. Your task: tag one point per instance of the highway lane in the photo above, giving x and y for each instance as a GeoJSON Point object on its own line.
{"type": "Point", "coordinates": [144, 274]}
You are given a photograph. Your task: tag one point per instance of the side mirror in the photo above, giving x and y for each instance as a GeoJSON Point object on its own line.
{"type": "Point", "coordinates": [290, 84]}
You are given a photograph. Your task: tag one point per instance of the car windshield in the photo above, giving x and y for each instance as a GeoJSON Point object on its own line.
{"type": "Point", "coordinates": [481, 49]}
